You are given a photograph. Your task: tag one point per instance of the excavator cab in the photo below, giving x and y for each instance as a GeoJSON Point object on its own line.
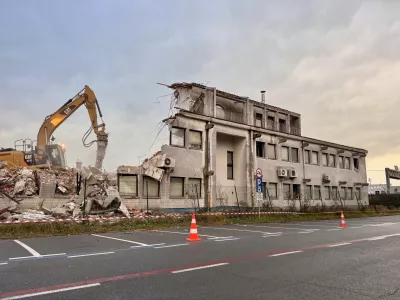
{"type": "Point", "coordinates": [55, 154]}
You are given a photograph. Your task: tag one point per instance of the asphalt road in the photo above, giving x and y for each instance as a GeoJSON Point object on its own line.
{"type": "Point", "coordinates": [301, 260]}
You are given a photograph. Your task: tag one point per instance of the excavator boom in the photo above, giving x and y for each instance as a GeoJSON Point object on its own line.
{"type": "Point", "coordinates": [87, 97]}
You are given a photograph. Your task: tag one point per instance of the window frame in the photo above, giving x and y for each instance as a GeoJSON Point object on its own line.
{"type": "Point", "coordinates": [201, 139]}
{"type": "Point", "coordinates": [317, 197]}
{"type": "Point", "coordinates": [136, 185]}
{"type": "Point", "coordinates": [334, 161]}
{"type": "Point", "coordinates": [334, 195]}
{"type": "Point", "coordinates": [285, 197]}
{"type": "Point", "coordinates": [307, 154]}
{"type": "Point", "coordinates": [309, 192]}
{"type": "Point", "coordinates": [350, 191]}
{"type": "Point", "coordinates": [356, 159]}
{"type": "Point", "coordinates": [291, 154]}
{"type": "Point", "coordinates": [274, 147]}
{"type": "Point", "coordinates": [145, 191]}
{"type": "Point", "coordinates": [288, 153]}
{"type": "Point", "coordinates": [199, 190]}
{"type": "Point", "coordinates": [346, 158]}
{"type": "Point", "coordinates": [184, 137]}
{"type": "Point", "coordinates": [327, 188]}
{"type": "Point", "coordinates": [258, 117]}
{"type": "Point", "coordinates": [183, 187]}
{"type": "Point", "coordinates": [276, 190]}
{"type": "Point", "coordinates": [312, 162]}
{"type": "Point", "coordinates": [327, 159]}
{"type": "Point", "coordinates": [341, 162]}
{"type": "Point", "coordinates": [269, 120]}
{"type": "Point", "coordinates": [222, 109]}
{"type": "Point", "coordinates": [263, 149]}
{"type": "Point", "coordinates": [229, 165]}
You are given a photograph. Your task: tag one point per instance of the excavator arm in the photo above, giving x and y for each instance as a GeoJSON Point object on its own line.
{"type": "Point", "coordinates": [87, 97]}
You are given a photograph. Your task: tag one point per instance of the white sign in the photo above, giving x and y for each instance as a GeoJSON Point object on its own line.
{"type": "Point", "coordinates": [259, 197]}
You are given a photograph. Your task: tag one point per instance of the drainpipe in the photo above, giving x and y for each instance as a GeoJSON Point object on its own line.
{"type": "Point", "coordinates": [251, 169]}
{"type": "Point", "coordinates": [207, 167]}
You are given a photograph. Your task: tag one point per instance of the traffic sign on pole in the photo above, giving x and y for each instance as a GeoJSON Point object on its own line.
{"type": "Point", "coordinates": [258, 173]}
{"type": "Point", "coordinates": [258, 185]}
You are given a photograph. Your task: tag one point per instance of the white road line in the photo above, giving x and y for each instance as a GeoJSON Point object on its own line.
{"type": "Point", "coordinates": [377, 238]}
{"type": "Point", "coordinates": [199, 268]}
{"type": "Point", "coordinates": [243, 230]}
{"type": "Point", "coordinates": [29, 249]}
{"type": "Point", "coordinates": [147, 246]}
{"type": "Point", "coordinates": [271, 235]}
{"type": "Point", "coordinates": [223, 240]}
{"type": "Point", "coordinates": [53, 291]}
{"type": "Point", "coordinates": [310, 225]}
{"type": "Point", "coordinates": [187, 233]}
{"type": "Point", "coordinates": [22, 257]}
{"type": "Point", "coordinates": [338, 245]}
{"type": "Point", "coordinates": [2, 264]}
{"type": "Point", "coordinates": [169, 246]}
{"type": "Point", "coordinates": [90, 254]}
{"type": "Point", "coordinates": [334, 229]}
{"type": "Point", "coordinates": [285, 253]}
{"type": "Point", "coordinates": [222, 237]}
{"type": "Point", "coordinates": [121, 240]}
{"type": "Point", "coordinates": [57, 254]}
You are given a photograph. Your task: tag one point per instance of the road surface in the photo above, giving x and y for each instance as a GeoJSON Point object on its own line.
{"type": "Point", "coordinates": [300, 260]}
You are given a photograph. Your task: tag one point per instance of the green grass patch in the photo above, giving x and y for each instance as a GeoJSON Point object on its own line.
{"type": "Point", "coordinates": [15, 231]}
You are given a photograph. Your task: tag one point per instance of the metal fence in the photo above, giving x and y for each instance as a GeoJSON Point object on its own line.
{"type": "Point", "coordinates": [391, 200]}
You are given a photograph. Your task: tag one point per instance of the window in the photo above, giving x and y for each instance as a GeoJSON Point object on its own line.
{"type": "Point", "coordinates": [317, 192]}
{"type": "Point", "coordinates": [273, 190]}
{"type": "Point", "coordinates": [332, 160]}
{"type": "Point", "coordinates": [342, 193]}
{"type": "Point", "coordinates": [296, 191]}
{"type": "Point", "coordinates": [194, 187]}
{"type": "Point", "coordinates": [260, 149]}
{"type": "Point", "coordinates": [308, 194]}
{"type": "Point", "coordinates": [314, 158]}
{"type": "Point", "coordinates": [358, 193]}
{"type": "Point", "coordinates": [286, 191]}
{"type": "Point", "coordinates": [307, 156]}
{"type": "Point", "coordinates": [334, 193]}
{"type": "Point", "coordinates": [347, 163]}
{"type": "Point", "coordinates": [264, 190]}
{"type": "Point", "coordinates": [349, 195]}
{"type": "Point", "coordinates": [258, 120]}
{"type": "Point", "coordinates": [341, 162]}
{"type": "Point", "coordinates": [295, 155]}
{"type": "Point", "coordinates": [282, 125]}
{"type": "Point", "coordinates": [152, 185]}
{"type": "Point", "coordinates": [355, 163]}
{"type": "Point", "coordinates": [327, 194]}
{"type": "Point", "coordinates": [176, 187]}
{"type": "Point", "coordinates": [285, 153]}
{"type": "Point", "coordinates": [220, 112]}
{"type": "Point", "coordinates": [127, 185]}
{"type": "Point", "coordinates": [195, 139]}
{"type": "Point", "coordinates": [230, 165]}
{"type": "Point", "coordinates": [324, 159]}
{"type": "Point", "coordinates": [271, 151]}
{"type": "Point", "coordinates": [177, 137]}
{"type": "Point", "coordinates": [271, 123]}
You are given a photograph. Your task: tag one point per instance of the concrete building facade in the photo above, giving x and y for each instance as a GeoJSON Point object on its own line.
{"type": "Point", "coordinates": [218, 140]}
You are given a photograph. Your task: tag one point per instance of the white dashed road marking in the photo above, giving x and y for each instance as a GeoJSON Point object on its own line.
{"type": "Point", "coordinates": [199, 268]}
{"type": "Point", "coordinates": [338, 245]}
{"type": "Point", "coordinates": [90, 254]}
{"type": "Point", "coordinates": [285, 253]}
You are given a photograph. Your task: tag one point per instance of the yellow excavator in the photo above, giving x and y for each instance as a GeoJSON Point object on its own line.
{"type": "Point", "coordinates": [45, 153]}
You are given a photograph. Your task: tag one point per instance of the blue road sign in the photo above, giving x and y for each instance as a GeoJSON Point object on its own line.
{"type": "Point", "coordinates": [259, 185]}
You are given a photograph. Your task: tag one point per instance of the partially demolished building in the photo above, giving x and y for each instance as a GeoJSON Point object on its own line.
{"type": "Point", "coordinates": [218, 140]}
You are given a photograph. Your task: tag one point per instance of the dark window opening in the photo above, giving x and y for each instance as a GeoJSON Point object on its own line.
{"type": "Point", "coordinates": [230, 165]}
{"type": "Point", "coordinates": [355, 163]}
{"type": "Point", "coordinates": [260, 149]}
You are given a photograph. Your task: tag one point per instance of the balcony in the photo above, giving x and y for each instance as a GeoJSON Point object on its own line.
{"type": "Point", "coordinates": [294, 130]}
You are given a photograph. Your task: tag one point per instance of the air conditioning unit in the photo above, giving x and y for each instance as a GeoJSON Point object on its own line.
{"type": "Point", "coordinates": [326, 178]}
{"type": "Point", "coordinates": [169, 162]}
{"type": "Point", "coordinates": [292, 173]}
{"type": "Point", "coordinates": [282, 173]}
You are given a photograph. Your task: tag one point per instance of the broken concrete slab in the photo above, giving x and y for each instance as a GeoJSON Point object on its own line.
{"type": "Point", "coordinates": [60, 212]}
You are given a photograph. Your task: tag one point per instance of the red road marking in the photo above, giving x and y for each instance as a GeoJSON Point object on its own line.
{"type": "Point", "coordinates": [166, 271]}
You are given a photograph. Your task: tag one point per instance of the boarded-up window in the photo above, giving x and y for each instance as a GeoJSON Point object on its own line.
{"type": "Point", "coordinates": [271, 151]}
{"type": "Point", "coordinates": [334, 193]}
{"type": "Point", "coordinates": [285, 153]}
{"type": "Point", "coordinates": [195, 140]}
{"type": "Point", "coordinates": [194, 187]}
{"type": "Point", "coordinates": [152, 185]}
{"type": "Point", "coordinates": [258, 120]}
{"type": "Point", "coordinates": [176, 187]}
{"type": "Point", "coordinates": [177, 137]}
{"type": "Point", "coordinates": [127, 185]}
{"type": "Point", "coordinates": [317, 192]}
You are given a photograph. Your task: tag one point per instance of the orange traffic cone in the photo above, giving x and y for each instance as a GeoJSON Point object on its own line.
{"type": "Point", "coordinates": [342, 221]}
{"type": "Point", "coordinates": [193, 235]}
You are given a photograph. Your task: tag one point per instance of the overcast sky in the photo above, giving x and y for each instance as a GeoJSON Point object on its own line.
{"type": "Point", "coordinates": [337, 63]}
